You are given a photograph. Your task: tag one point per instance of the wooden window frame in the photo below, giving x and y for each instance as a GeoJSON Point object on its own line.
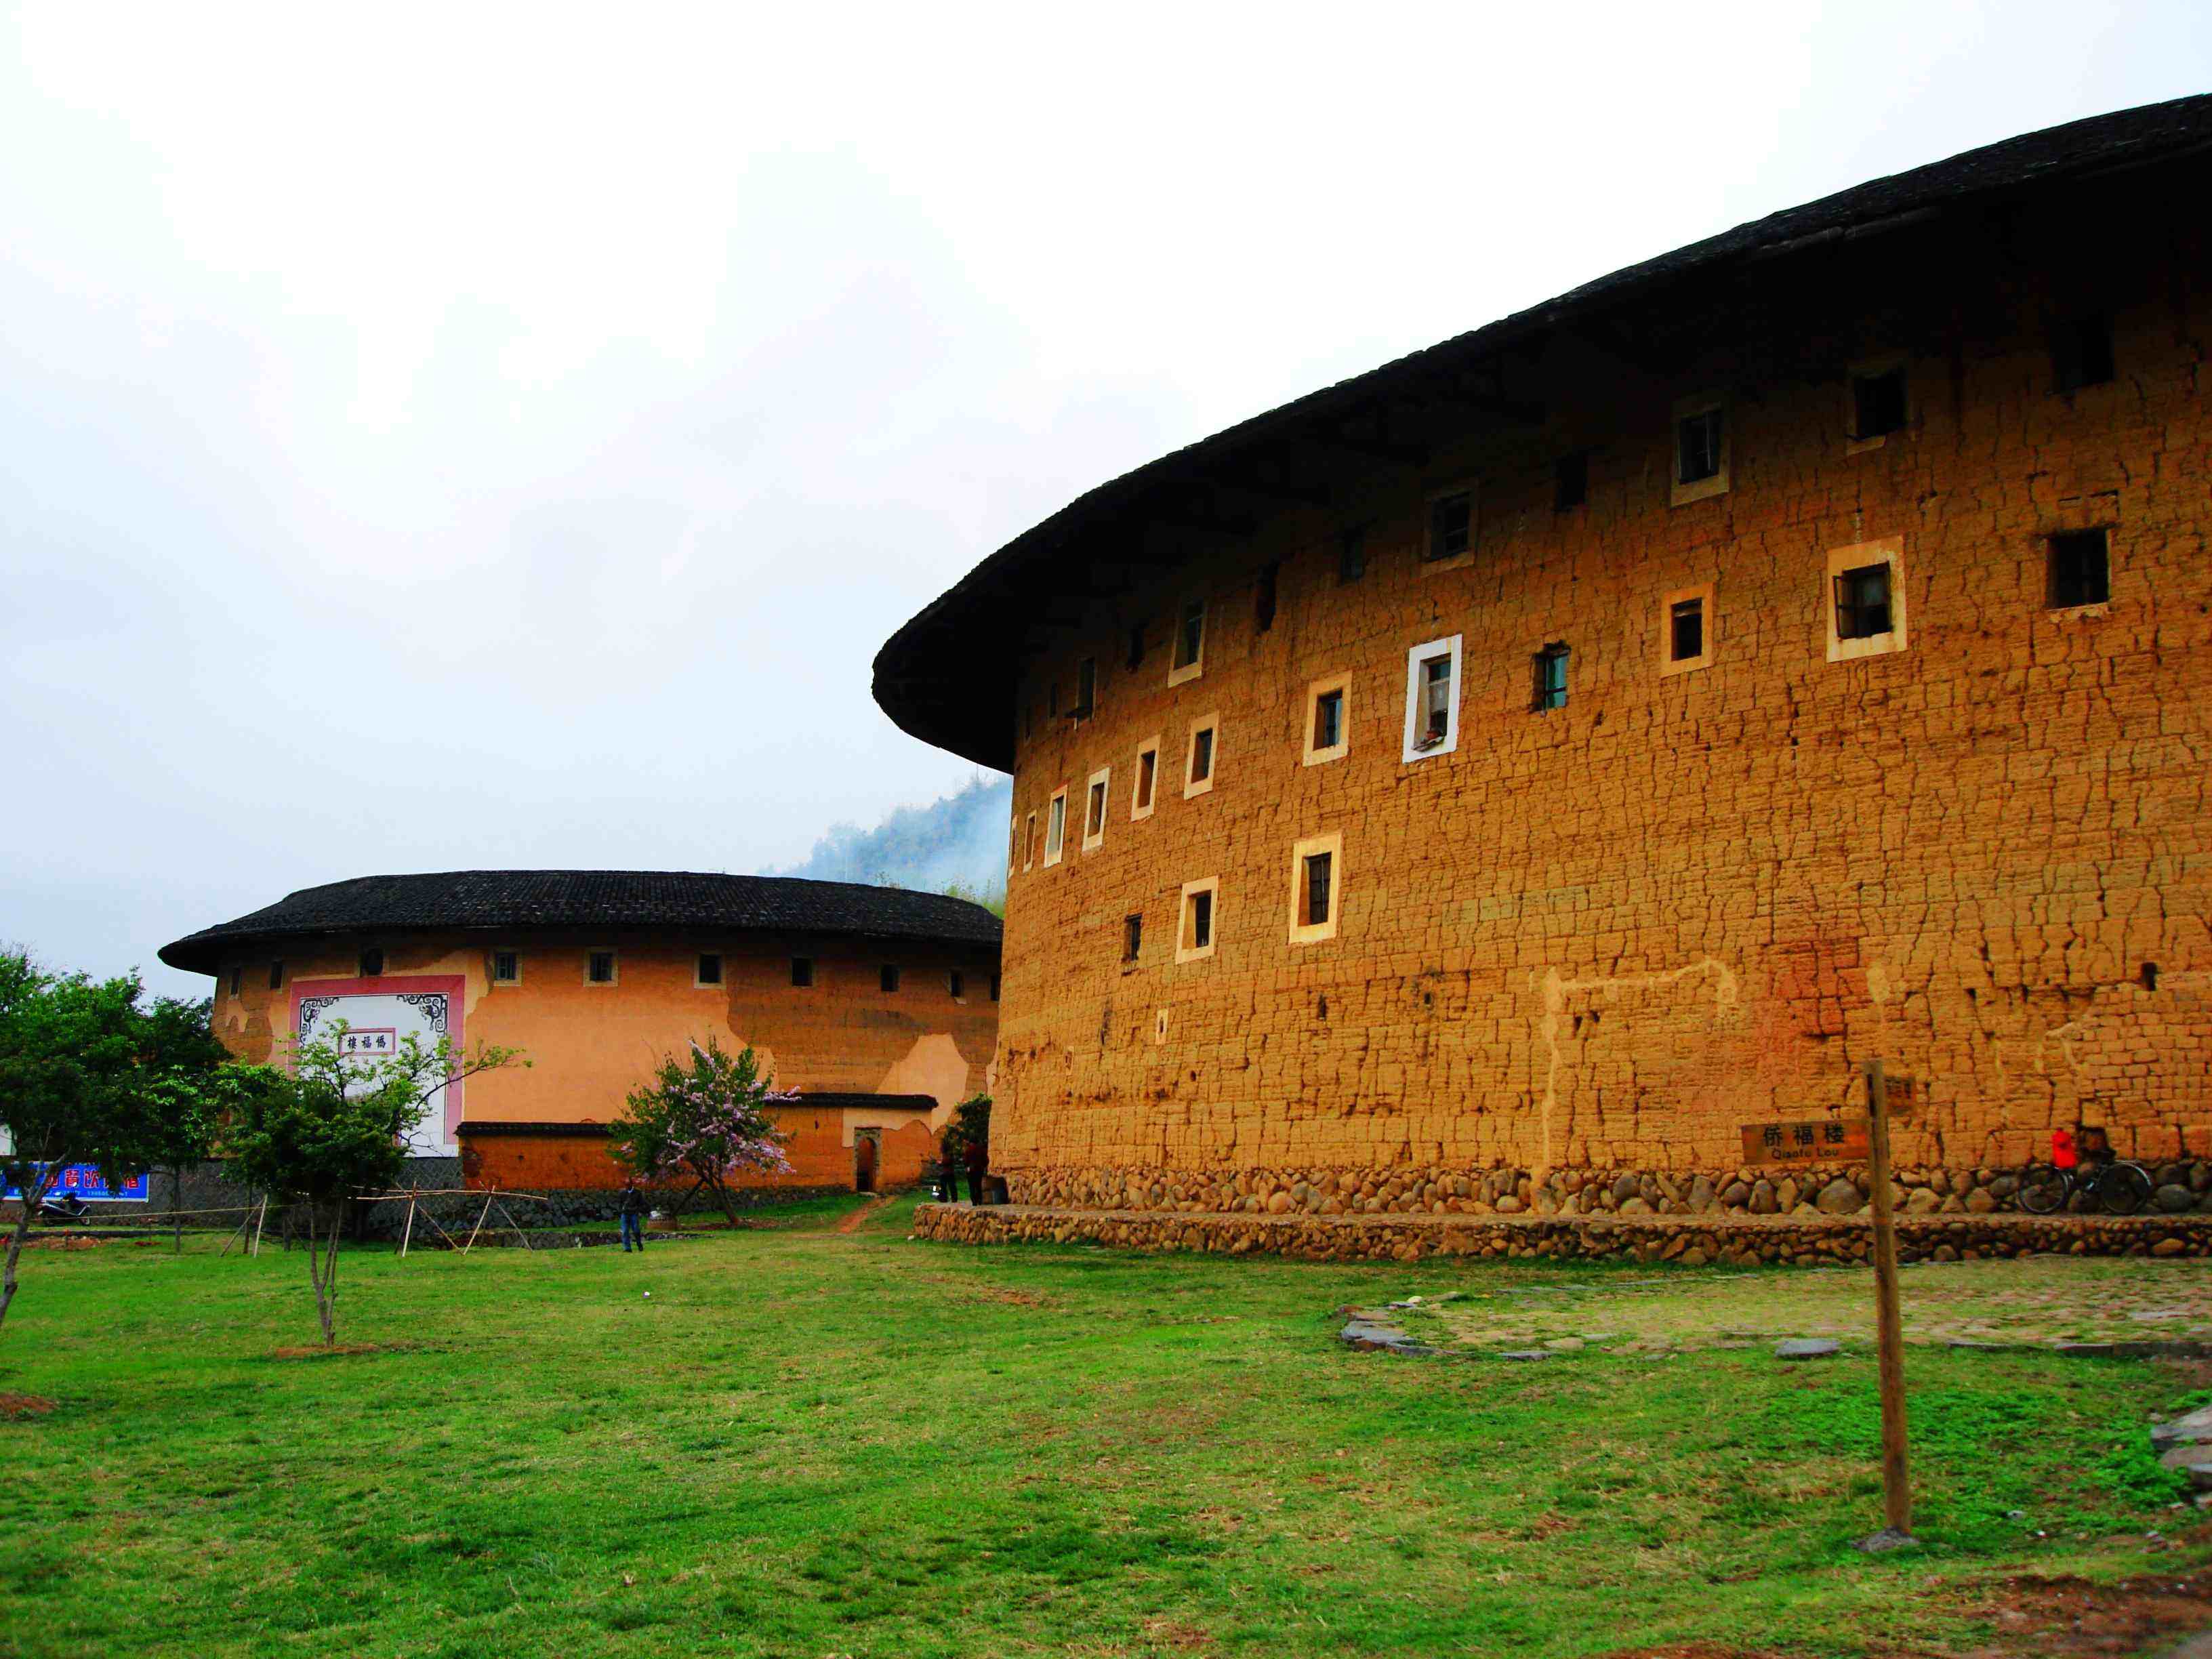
{"type": "Point", "coordinates": [1889, 550]}
{"type": "Point", "coordinates": [1211, 722]}
{"type": "Point", "coordinates": [700, 982]}
{"type": "Point", "coordinates": [1450, 645]}
{"type": "Point", "coordinates": [1196, 667]}
{"type": "Point", "coordinates": [1443, 492]}
{"type": "Point", "coordinates": [1701, 490]}
{"type": "Point", "coordinates": [1313, 933]}
{"type": "Point", "coordinates": [1030, 843]}
{"type": "Point", "coordinates": [1143, 809]}
{"type": "Point", "coordinates": [1869, 368]}
{"type": "Point", "coordinates": [1668, 662]}
{"type": "Point", "coordinates": [1211, 887]}
{"type": "Point", "coordinates": [2051, 538]}
{"type": "Point", "coordinates": [1341, 684]}
{"type": "Point", "coordinates": [492, 965]}
{"type": "Point", "coordinates": [614, 965]}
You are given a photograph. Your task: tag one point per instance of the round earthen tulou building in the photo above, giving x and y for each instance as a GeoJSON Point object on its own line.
{"type": "Point", "coordinates": [1538, 773]}
{"type": "Point", "coordinates": [879, 1005]}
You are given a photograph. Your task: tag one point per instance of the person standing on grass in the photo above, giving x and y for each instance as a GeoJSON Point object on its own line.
{"type": "Point", "coordinates": [632, 1210]}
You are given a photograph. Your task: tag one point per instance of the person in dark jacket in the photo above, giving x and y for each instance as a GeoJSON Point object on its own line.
{"type": "Point", "coordinates": [632, 1210]}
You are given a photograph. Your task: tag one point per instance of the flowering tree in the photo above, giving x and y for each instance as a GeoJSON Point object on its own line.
{"type": "Point", "coordinates": [705, 1117]}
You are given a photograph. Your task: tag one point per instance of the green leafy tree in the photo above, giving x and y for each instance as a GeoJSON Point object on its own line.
{"type": "Point", "coordinates": [90, 1074]}
{"type": "Point", "coordinates": [705, 1117]}
{"type": "Point", "coordinates": [331, 1126]}
{"type": "Point", "coordinates": [966, 1140]}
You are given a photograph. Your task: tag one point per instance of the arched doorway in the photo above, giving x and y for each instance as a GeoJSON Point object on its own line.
{"type": "Point", "coordinates": [864, 1150]}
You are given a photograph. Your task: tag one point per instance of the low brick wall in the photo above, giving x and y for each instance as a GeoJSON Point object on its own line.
{"type": "Point", "coordinates": [1693, 1241]}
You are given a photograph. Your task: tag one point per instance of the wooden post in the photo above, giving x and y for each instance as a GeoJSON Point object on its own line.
{"type": "Point", "coordinates": [1896, 1486]}
{"type": "Point", "coordinates": [479, 1228]}
{"type": "Point", "coordinates": [261, 1217]}
{"type": "Point", "coordinates": [410, 1232]}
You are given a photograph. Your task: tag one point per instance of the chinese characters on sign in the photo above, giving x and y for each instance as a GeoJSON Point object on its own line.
{"type": "Point", "coordinates": [373, 1042]}
{"type": "Point", "coordinates": [84, 1179]}
{"type": "Point", "coordinates": [1821, 1140]}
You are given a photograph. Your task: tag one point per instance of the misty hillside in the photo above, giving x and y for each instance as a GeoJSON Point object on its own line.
{"type": "Point", "coordinates": [960, 841]}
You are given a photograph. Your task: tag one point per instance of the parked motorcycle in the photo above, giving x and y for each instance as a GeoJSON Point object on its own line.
{"type": "Point", "coordinates": [63, 1207]}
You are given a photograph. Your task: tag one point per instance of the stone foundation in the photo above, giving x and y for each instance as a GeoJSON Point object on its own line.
{"type": "Point", "coordinates": [1694, 1242]}
{"type": "Point", "coordinates": [2179, 1188]}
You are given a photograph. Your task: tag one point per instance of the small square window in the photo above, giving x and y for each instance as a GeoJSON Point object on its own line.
{"type": "Point", "coordinates": [1055, 827]}
{"type": "Point", "coordinates": [372, 963]}
{"type": "Point", "coordinates": [2081, 569]}
{"type": "Point", "coordinates": [1328, 720]}
{"type": "Point", "coordinates": [1030, 844]}
{"type": "Point", "coordinates": [1451, 527]}
{"type": "Point", "coordinates": [1701, 450]}
{"type": "Point", "coordinates": [237, 979]}
{"type": "Point", "coordinates": [1189, 658]}
{"type": "Point", "coordinates": [1352, 554]}
{"type": "Point", "coordinates": [1550, 666]}
{"type": "Point", "coordinates": [1878, 407]}
{"type": "Point", "coordinates": [600, 967]}
{"type": "Point", "coordinates": [1865, 601]}
{"type": "Point", "coordinates": [1194, 928]}
{"type": "Point", "coordinates": [2082, 352]}
{"type": "Point", "coordinates": [275, 976]}
{"type": "Point", "coordinates": [1316, 877]}
{"type": "Point", "coordinates": [710, 969]}
{"type": "Point", "coordinates": [1133, 937]}
{"type": "Point", "coordinates": [1263, 597]}
{"type": "Point", "coordinates": [1094, 810]}
{"type": "Point", "coordinates": [1136, 645]}
{"type": "Point", "coordinates": [1432, 699]}
{"type": "Point", "coordinates": [1086, 688]}
{"type": "Point", "coordinates": [1685, 629]}
{"type": "Point", "coordinates": [1571, 481]}
{"type": "Point", "coordinates": [1862, 602]}
{"type": "Point", "coordinates": [887, 977]}
{"type": "Point", "coordinates": [1198, 770]}
{"type": "Point", "coordinates": [506, 968]}
{"type": "Point", "coordinates": [1146, 787]}
{"type": "Point", "coordinates": [802, 970]}
{"type": "Point", "coordinates": [957, 983]}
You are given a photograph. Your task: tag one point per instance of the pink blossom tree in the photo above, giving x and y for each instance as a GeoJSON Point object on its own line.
{"type": "Point", "coordinates": [705, 1117]}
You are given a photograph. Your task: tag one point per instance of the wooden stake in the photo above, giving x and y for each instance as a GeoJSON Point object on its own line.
{"type": "Point", "coordinates": [1896, 1486]}
{"type": "Point", "coordinates": [479, 1228]}
{"type": "Point", "coordinates": [259, 1221]}
{"type": "Point", "coordinates": [410, 1233]}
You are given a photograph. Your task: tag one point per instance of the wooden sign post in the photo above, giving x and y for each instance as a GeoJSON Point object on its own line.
{"type": "Point", "coordinates": [1896, 1486]}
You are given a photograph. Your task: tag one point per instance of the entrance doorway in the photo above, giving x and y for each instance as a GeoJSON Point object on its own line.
{"type": "Point", "coordinates": [865, 1151]}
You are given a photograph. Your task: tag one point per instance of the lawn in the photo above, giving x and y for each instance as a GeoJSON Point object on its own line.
{"type": "Point", "coordinates": [809, 1442]}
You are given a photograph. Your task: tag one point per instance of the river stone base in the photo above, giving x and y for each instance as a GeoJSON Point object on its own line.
{"type": "Point", "coordinates": [1692, 1241]}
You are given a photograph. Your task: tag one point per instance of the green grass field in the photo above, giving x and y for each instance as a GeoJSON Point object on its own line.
{"type": "Point", "coordinates": [810, 1443]}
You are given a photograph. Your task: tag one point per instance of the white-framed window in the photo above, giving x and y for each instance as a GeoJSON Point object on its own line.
{"type": "Point", "coordinates": [706, 971]}
{"type": "Point", "coordinates": [1030, 844]}
{"type": "Point", "coordinates": [1865, 599]}
{"type": "Point", "coordinates": [1328, 720]}
{"type": "Point", "coordinates": [1187, 660]}
{"type": "Point", "coordinates": [1202, 758]}
{"type": "Point", "coordinates": [1094, 808]}
{"type": "Point", "coordinates": [1685, 629]}
{"type": "Point", "coordinates": [1145, 788]}
{"type": "Point", "coordinates": [1317, 887]}
{"type": "Point", "coordinates": [1448, 529]}
{"type": "Point", "coordinates": [601, 967]}
{"type": "Point", "coordinates": [1432, 698]}
{"type": "Point", "coordinates": [507, 967]}
{"type": "Point", "coordinates": [1877, 401]}
{"type": "Point", "coordinates": [1198, 925]}
{"type": "Point", "coordinates": [1701, 449]}
{"type": "Point", "coordinates": [1055, 827]}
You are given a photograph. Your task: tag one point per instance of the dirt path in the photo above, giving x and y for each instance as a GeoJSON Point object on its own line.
{"type": "Point", "coordinates": [851, 1223]}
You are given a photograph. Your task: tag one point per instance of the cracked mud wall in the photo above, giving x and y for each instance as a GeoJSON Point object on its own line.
{"type": "Point", "coordinates": [1608, 935]}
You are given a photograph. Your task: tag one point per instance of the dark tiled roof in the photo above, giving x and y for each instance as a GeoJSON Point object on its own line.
{"type": "Point", "coordinates": [464, 900]}
{"type": "Point", "coordinates": [936, 678]}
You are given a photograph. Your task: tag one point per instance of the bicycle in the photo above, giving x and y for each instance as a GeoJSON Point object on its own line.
{"type": "Point", "coordinates": [2114, 1184]}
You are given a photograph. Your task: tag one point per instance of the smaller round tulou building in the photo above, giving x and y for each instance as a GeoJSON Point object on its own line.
{"type": "Point", "coordinates": [879, 1005]}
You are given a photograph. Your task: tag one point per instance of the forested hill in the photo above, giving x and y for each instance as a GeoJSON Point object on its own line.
{"type": "Point", "coordinates": [959, 841]}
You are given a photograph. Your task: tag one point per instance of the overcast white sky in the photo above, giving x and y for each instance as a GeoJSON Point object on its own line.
{"type": "Point", "coordinates": [477, 435]}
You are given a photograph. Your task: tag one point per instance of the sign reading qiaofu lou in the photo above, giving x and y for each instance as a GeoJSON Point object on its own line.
{"type": "Point", "coordinates": [377, 1021]}
{"type": "Point", "coordinates": [1819, 1140]}
{"type": "Point", "coordinates": [84, 1179]}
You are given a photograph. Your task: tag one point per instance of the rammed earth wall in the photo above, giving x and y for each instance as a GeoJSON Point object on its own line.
{"type": "Point", "coordinates": [1606, 936]}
